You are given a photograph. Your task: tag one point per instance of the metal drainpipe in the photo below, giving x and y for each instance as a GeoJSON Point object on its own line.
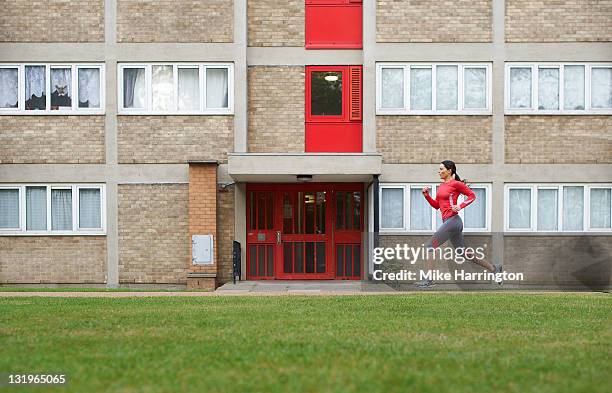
{"type": "Point", "coordinates": [376, 202]}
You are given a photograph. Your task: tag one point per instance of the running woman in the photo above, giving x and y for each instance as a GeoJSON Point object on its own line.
{"type": "Point", "coordinates": [452, 226]}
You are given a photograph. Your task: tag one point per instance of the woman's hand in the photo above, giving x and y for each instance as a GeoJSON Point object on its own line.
{"type": "Point", "coordinates": [455, 208]}
{"type": "Point", "coordinates": [425, 190]}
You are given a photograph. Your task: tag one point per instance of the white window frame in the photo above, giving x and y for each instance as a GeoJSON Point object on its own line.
{"type": "Point", "coordinates": [202, 68]}
{"type": "Point", "coordinates": [406, 110]}
{"type": "Point", "coordinates": [432, 186]}
{"type": "Point", "coordinates": [21, 207]}
{"type": "Point", "coordinates": [588, 109]}
{"type": "Point", "coordinates": [74, 110]}
{"type": "Point", "coordinates": [76, 231]}
{"type": "Point", "coordinates": [586, 220]}
{"type": "Point", "coordinates": [380, 207]}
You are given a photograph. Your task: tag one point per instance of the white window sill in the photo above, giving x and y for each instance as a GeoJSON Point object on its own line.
{"type": "Point", "coordinates": [56, 233]}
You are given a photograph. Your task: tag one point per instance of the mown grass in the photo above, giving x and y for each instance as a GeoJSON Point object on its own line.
{"type": "Point", "coordinates": [79, 289]}
{"type": "Point", "coordinates": [417, 342]}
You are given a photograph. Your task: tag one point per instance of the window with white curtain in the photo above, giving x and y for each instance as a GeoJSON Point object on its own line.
{"type": "Point", "coordinates": [558, 207]}
{"type": "Point", "coordinates": [180, 88]}
{"type": "Point", "coordinates": [433, 89]}
{"type": "Point", "coordinates": [407, 200]}
{"type": "Point", "coordinates": [9, 208]}
{"type": "Point", "coordinates": [52, 209]}
{"type": "Point", "coordinates": [51, 89]}
{"type": "Point", "coordinates": [392, 207]}
{"type": "Point", "coordinates": [558, 88]}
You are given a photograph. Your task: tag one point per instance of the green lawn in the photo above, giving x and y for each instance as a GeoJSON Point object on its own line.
{"type": "Point", "coordinates": [430, 342]}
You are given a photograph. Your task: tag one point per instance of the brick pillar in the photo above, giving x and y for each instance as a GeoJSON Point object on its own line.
{"type": "Point", "coordinates": [203, 221]}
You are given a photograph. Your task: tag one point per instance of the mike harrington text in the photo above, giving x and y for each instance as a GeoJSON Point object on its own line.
{"type": "Point", "coordinates": [436, 275]}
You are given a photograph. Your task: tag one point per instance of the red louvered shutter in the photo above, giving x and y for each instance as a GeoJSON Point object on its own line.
{"type": "Point", "coordinates": [355, 93]}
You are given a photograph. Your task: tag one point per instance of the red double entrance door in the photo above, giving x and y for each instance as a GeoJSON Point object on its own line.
{"type": "Point", "coordinates": [304, 231]}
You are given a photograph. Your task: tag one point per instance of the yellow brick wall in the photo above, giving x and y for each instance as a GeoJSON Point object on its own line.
{"type": "Point", "coordinates": [275, 22]}
{"type": "Point", "coordinates": [558, 139]}
{"type": "Point", "coordinates": [175, 21]}
{"type": "Point", "coordinates": [53, 259]}
{"type": "Point", "coordinates": [276, 109]}
{"type": "Point", "coordinates": [434, 21]}
{"type": "Point", "coordinates": [174, 139]}
{"type": "Point", "coordinates": [153, 233]}
{"type": "Point", "coordinates": [558, 20]}
{"type": "Point", "coordinates": [431, 139]}
{"type": "Point", "coordinates": [52, 140]}
{"type": "Point", "coordinates": [52, 21]}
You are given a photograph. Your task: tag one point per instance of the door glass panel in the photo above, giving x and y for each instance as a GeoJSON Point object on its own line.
{"type": "Point", "coordinates": [320, 257]}
{"type": "Point", "coordinates": [326, 93]}
{"type": "Point", "coordinates": [253, 260]}
{"type": "Point", "coordinates": [357, 264]}
{"type": "Point", "coordinates": [309, 207]}
{"type": "Point", "coordinates": [261, 258]}
{"type": "Point", "coordinates": [357, 210]}
{"type": "Point", "coordinates": [299, 220]}
{"type": "Point", "coordinates": [298, 257]}
{"type": "Point", "coordinates": [287, 213]}
{"type": "Point", "coordinates": [320, 210]}
{"type": "Point", "coordinates": [270, 261]}
{"type": "Point", "coordinates": [310, 257]}
{"type": "Point", "coordinates": [340, 221]}
{"type": "Point", "coordinates": [252, 210]}
{"type": "Point", "coordinates": [288, 257]}
{"type": "Point", "coordinates": [349, 261]}
{"type": "Point", "coordinates": [269, 210]}
{"type": "Point", "coordinates": [339, 260]}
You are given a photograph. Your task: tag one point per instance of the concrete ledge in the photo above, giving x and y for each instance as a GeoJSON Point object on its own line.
{"type": "Point", "coordinates": [201, 275]}
{"type": "Point", "coordinates": [329, 167]}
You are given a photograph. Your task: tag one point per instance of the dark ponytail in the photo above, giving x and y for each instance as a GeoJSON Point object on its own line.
{"type": "Point", "coordinates": [450, 165]}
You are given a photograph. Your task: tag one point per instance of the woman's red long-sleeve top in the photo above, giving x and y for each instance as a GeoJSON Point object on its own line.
{"type": "Point", "coordinates": [443, 195]}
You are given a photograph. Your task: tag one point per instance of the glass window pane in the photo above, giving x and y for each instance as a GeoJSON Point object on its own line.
{"type": "Point", "coordinates": [446, 87]}
{"type": "Point", "coordinates": [9, 87]}
{"type": "Point", "coordinates": [162, 88]}
{"type": "Point", "coordinates": [475, 215]}
{"type": "Point", "coordinates": [548, 209]}
{"type": "Point", "coordinates": [61, 88]}
{"type": "Point", "coordinates": [392, 204]}
{"type": "Point", "coordinates": [89, 208]}
{"type": "Point", "coordinates": [216, 88]}
{"type": "Point", "coordinates": [89, 87]}
{"type": "Point", "coordinates": [9, 208]}
{"type": "Point", "coordinates": [134, 93]}
{"type": "Point", "coordinates": [573, 87]}
{"type": "Point", "coordinates": [35, 88]}
{"type": "Point", "coordinates": [36, 208]}
{"type": "Point", "coordinates": [600, 207]}
{"type": "Point", "coordinates": [420, 88]}
{"type": "Point", "coordinates": [475, 88]}
{"type": "Point", "coordinates": [519, 201]}
{"type": "Point", "coordinates": [392, 93]}
{"type": "Point", "coordinates": [61, 210]}
{"type": "Point", "coordinates": [520, 87]}
{"type": "Point", "coordinates": [548, 88]}
{"type": "Point", "coordinates": [601, 87]}
{"type": "Point", "coordinates": [188, 89]}
{"type": "Point", "coordinates": [420, 211]}
{"type": "Point", "coordinates": [573, 208]}
{"type": "Point", "coordinates": [326, 93]}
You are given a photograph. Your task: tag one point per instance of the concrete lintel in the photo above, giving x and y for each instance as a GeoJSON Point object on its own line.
{"type": "Point", "coordinates": [563, 51]}
{"type": "Point", "coordinates": [284, 167]}
{"type": "Point", "coordinates": [53, 52]}
{"type": "Point", "coordinates": [300, 56]}
{"type": "Point", "coordinates": [147, 52]}
{"type": "Point", "coordinates": [505, 173]}
{"type": "Point", "coordinates": [413, 52]}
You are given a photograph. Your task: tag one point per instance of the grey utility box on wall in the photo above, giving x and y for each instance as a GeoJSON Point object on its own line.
{"type": "Point", "coordinates": [202, 249]}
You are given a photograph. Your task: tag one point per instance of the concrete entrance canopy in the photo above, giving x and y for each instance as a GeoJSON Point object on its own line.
{"type": "Point", "coordinates": [324, 167]}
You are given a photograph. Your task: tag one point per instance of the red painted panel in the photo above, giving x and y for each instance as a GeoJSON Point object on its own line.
{"type": "Point", "coordinates": [333, 137]}
{"type": "Point", "coordinates": [336, 25]}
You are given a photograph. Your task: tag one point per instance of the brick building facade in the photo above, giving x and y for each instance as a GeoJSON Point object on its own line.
{"type": "Point", "coordinates": [202, 117]}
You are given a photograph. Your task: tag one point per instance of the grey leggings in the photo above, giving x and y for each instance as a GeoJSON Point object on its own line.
{"type": "Point", "coordinates": [451, 229]}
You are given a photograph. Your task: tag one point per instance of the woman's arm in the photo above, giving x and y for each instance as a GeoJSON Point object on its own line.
{"type": "Point", "coordinates": [465, 190]}
{"type": "Point", "coordinates": [433, 202]}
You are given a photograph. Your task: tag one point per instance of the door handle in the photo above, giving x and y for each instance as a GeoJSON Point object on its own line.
{"type": "Point", "coordinates": [278, 237]}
